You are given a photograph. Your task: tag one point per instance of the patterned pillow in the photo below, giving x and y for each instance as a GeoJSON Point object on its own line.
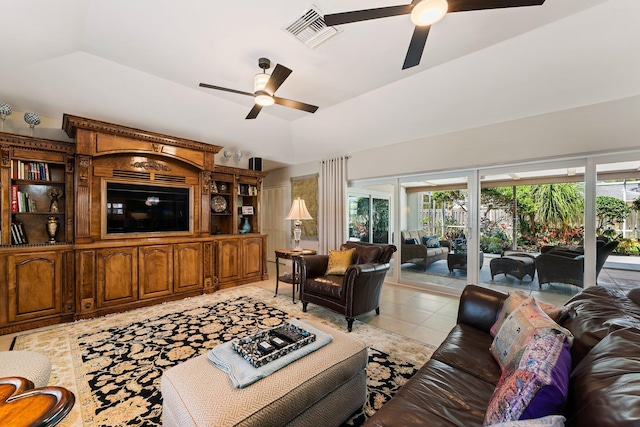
{"type": "Point", "coordinates": [526, 320]}
{"type": "Point", "coordinates": [551, 398]}
{"type": "Point", "coordinates": [537, 385]}
{"type": "Point", "coordinates": [431, 241]}
{"type": "Point", "coordinates": [550, 421]}
{"type": "Point", "coordinates": [515, 298]}
{"type": "Point", "coordinates": [412, 241]}
{"type": "Point", "coordinates": [339, 261]}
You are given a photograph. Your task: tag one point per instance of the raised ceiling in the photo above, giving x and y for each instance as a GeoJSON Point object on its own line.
{"type": "Point", "coordinates": [139, 63]}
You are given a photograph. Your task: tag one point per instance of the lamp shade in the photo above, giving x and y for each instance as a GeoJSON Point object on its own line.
{"type": "Point", "coordinates": [298, 210]}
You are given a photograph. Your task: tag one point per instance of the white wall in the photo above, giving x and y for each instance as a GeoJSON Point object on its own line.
{"type": "Point", "coordinates": [282, 178]}
{"type": "Point", "coordinates": [593, 129]}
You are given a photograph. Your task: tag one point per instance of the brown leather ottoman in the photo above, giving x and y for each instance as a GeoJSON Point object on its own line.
{"type": "Point", "coordinates": [323, 388]}
{"type": "Point", "coordinates": [514, 264]}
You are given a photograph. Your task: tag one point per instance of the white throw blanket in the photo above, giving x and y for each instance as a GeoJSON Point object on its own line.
{"type": "Point", "coordinates": [242, 373]}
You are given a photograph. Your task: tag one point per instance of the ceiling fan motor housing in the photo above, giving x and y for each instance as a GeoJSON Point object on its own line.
{"type": "Point", "coordinates": [264, 63]}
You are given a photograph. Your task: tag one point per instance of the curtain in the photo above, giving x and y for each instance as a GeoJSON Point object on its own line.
{"type": "Point", "coordinates": [332, 209]}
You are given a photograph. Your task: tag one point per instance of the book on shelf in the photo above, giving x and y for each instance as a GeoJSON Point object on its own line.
{"type": "Point", "coordinates": [14, 198]}
{"type": "Point", "coordinates": [21, 202]}
{"type": "Point", "coordinates": [35, 171]}
{"type": "Point", "coordinates": [18, 235]}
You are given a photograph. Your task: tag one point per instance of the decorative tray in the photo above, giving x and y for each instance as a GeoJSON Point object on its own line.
{"type": "Point", "coordinates": [268, 345]}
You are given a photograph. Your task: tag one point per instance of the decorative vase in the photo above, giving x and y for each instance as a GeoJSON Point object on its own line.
{"type": "Point", "coordinates": [32, 120]}
{"type": "Point", "coordinates": [246, 227]}
{"type": "Point", "coordinates": [52, 228]}
{"type": "Point", "coordinates": [5, 110]}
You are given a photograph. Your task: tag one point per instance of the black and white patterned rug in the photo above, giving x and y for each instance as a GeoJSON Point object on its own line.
{"type": "Point", "coordinates": [117, 361]}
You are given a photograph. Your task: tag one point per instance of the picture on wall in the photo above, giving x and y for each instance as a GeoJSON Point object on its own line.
{"type": "Point", "coordinates": [306, 187]}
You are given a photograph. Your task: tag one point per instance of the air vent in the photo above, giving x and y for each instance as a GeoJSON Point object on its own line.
{"type": "Point", "coordinates": [169, 178]}
{"type": "Point", "coordinates": [310, 28]}
{"type": "Point", "coordinates": [131, 175]}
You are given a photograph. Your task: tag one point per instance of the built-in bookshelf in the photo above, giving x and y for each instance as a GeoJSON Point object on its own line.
{"type": "Point", "coordinates": [34, 200]}
{"type": "Point", "coordinates": [238, 190]}
{"type": "Point", "coordinates": [222, 204]}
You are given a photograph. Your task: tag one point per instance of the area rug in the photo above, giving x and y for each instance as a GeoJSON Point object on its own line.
{"type": "Point", "coordinates": [113, 364]}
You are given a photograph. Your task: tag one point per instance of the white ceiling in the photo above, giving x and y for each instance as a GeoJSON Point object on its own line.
{"type": "Point", "coordinates": [138, 63]}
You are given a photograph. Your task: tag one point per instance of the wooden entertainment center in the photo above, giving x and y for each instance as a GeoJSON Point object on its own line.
{"type": "Point", "coordinates": [139, 218]}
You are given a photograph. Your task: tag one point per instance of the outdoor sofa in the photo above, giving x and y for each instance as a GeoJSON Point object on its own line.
{"type": "Point", "coordinates": [414, 250]}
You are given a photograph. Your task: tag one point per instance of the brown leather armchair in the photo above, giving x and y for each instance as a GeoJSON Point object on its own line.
{"type": "Point", "coordinates": [355, 293]}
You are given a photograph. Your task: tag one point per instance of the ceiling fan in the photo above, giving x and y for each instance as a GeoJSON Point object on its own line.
{"type": "Point", "coordinates": [423, 13]}
{"type": "Point", "coordinates": [264, 87]}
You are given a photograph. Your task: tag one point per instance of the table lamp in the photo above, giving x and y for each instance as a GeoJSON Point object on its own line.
{"type": "Point", "coordinates": [298, 211]}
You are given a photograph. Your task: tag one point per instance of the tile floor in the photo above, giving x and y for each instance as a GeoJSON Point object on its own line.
{"type": "Point", "coordinates": [420, 314]}
{"type": "Point", "coordinates": [416, 313]}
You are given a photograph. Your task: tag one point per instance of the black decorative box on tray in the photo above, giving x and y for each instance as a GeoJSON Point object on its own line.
{"type": "Point", "coordinates": [268, 345]}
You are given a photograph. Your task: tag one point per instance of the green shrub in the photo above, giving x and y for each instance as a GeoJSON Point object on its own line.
{"type": "Point", "coordinates": [628, 247]}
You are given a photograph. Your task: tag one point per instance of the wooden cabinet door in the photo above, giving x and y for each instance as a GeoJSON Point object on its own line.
{"type": "Point", "coordinates": [188, 263]}
{"type": "Point", "coordinates": [252, 257]}
{"type": "Point", "coordinates": [156, 271]}
{"type": "Point", "coordinates": [117, 276]}
{"type": "Point", "coordinates": [35, 285]}
{"type": "Point", "coordinates": [229, 260]}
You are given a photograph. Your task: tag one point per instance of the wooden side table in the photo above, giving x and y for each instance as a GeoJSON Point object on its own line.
{"type": "Point", "coordinates": [21, 405]}
{"type": "Point", "coordinates": [294, 256]}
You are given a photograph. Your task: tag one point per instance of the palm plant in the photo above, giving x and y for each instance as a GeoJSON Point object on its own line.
{"type": "Point", "coordinates": [559, 205]}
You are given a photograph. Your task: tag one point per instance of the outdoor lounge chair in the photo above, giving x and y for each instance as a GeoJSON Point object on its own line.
{"type": "Point", "coordinates": [559, 265]}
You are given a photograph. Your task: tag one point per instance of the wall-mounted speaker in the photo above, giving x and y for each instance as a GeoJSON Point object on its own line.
{"type": "Point", "coordinates": [255, 163]}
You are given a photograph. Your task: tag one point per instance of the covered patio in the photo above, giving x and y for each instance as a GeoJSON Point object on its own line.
{"type": "Point", "coordinates": [621, 273]}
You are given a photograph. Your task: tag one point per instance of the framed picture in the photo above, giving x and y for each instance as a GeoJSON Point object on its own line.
{"type": "Point", "coordinates": [214, 187]}
{"type": "Point", "coordinates": [247, 210]}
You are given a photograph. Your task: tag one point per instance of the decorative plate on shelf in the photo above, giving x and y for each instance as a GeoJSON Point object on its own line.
{"type": "Point", "coordinates": [222, 187]}
{"type": "Point", "coordinates": [218, 204]}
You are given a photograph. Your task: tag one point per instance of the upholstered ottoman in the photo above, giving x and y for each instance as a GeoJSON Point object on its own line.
{"type": "Point", "coordinates": [33, 366]}
{"type": "Point", "coordinates": [515, 264]}
{"type": "Point", "coordinates": [321, 389]}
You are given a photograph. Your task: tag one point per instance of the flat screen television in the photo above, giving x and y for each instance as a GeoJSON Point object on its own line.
{"type": "Point", "coordinates": [136, 208]}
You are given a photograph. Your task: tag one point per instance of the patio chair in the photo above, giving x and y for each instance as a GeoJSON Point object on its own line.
{"type": "Point", "coordinates": [559, 265]}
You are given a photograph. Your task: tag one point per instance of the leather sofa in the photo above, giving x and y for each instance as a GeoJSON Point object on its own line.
{"type": "Point", "coordinates": [355, 293]}
{"type": "Point", "coordinates": [454, 387]}
{"type": "Point", "coordinates": [419, 254]}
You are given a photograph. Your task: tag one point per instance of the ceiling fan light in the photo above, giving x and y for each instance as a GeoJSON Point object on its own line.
{"type": "Point", "coordinates": [260, 81]}
{"type": "Point", "coordinates": [264, 100]}
{"type": "Point", "coordinates": [428, 12]}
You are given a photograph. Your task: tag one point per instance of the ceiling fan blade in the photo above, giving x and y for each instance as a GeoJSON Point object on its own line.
{"type": "Point", "coordinates": [467, 5]}
{"type": "Point", "coordinates": [279, 75]}
{"type": "Point", "coordinates": [366, 14]}
{"type": "Point", "coordinates": [208, 86]}
{"type": "Point", "coordinates": [295, 104]}
{"type": "Point", "coordinates": [416, 46]}
{"type": "Point", "coordinates": [254, 111]}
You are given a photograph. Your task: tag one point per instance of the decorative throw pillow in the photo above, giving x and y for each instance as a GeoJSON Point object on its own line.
{"type": "Point", "coordinates": [537, 385]}
{"type": "Point", "coordinates": [412, 241]}
{"type": "Point", "coordinates": [527, 319]}
{"type": "Point", "coordinates": [552, 397]}
{"type": "Point", "coordinates": [431, 241]}
{"type": "Point", "coordinates": [515, 298]}
{"type": "Point", "coordinates": [339, 261]}
{"type": "Point", "coordinates": [550, 421]}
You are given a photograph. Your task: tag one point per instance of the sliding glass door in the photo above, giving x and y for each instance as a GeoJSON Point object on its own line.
{"type": "Point", "coordinates": [438, 245]}
{"type": "Point", "coordinates": [369, 216]}
{"type": "Point", "coordinates": [524, 211]}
